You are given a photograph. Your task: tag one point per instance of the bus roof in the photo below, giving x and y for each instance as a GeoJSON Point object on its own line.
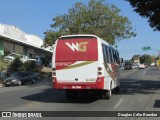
{"type": "Point", "coordinates": [78, 35]}
{"type": "Point", "coordinates": [88, 35]}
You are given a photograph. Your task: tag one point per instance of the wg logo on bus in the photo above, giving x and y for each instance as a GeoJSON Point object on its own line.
{"type": "Point", "coordinates": [80, 47]}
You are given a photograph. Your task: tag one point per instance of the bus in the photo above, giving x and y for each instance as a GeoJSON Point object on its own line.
{"type": "Point", "coordinates": [85, 63]}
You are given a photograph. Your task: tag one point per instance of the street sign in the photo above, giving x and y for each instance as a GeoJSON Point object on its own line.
{"type": "Point", "coordinates": [146, 48]}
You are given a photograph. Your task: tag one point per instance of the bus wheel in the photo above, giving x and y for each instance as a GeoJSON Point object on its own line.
{"type": "Point", "coordinates": [107, 94]}
{"type": "Point", "coordinates": [71, 94]}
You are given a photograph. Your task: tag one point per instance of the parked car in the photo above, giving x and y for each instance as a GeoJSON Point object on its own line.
{"type": "Point", "coordinates": [23, 58]}
{"type": "Point", "coordinates": [12, 56]}
{"type": "Point", "coordinates": [35, 76]}
{"type": "Point", "coordinates": [152, 64]}
{"type": "Point", "coordinates": [142, 66]}
{"type": "Point", "coordinates": [135, 66]}
{"type": "Point", "coordinates": [19, 78]}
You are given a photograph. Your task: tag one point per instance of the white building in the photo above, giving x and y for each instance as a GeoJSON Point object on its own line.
{"type": "Point", "coordinates": [14, 40]}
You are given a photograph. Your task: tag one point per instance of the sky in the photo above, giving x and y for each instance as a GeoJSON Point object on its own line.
{"type": "Point", "coordinates": [35, 17]}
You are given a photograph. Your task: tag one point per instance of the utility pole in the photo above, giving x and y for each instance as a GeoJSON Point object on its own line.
{"type": "Point", "coordinates": [158, 62]}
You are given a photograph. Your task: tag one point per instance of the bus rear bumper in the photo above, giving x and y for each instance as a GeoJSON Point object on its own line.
{"type": "Point", "coordinates": [99, 84]}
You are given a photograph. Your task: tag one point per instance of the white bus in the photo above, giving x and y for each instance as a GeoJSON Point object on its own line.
{"type": "Point", "coordinates": [83, 63]}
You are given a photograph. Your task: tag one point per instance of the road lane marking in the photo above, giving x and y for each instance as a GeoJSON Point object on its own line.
{"type": "Point", "coordinates": [118, 103]}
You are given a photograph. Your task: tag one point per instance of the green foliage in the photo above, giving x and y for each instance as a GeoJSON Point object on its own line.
{"type": "Point", "coordinates": [98, 18]}
{"type": "Point", "coordinates": [32, 66]}
{"type": "Point", "coordinates": [157, 58]}
{"type": "Point", "coordinates": [3, 64]}
{"type": "Point", "coordinates": [29, 66]}
{"type": "Point", "coordinates": [50, 38]}
{"type": "Point", "coordinates": [146, 59]}
{"type": "Point", "coordinates": [149, 9]}
{"type": "Point", "coordinates": [16, 65]}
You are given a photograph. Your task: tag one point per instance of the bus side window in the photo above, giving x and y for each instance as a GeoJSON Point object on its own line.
{"type": "Point", "coordinates": [108, 54]}
{"type": "Point", "coordinates": [114, 55]}
{"type": "Point", "coordinates": [111, 55]}
{"type": "Point", "coordinates": [117, 57]}
{"type": "Point", "coordinates": [104, 53]}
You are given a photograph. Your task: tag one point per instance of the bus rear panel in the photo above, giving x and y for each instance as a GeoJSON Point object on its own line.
{"type": "Point", "coordinates": [76, 63]}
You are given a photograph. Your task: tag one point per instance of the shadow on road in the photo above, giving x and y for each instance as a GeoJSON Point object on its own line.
{"type": "Point", "coordinates": [157, 104]}
{"type": "Point", "coordinates": [131, 86]}
{"type": "Point", "coordinates": [128, 87]}
{"type": "Point", "coordinates": [58, 96]}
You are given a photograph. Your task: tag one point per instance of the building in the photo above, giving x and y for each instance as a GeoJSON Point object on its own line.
{"type": "Point", "coordinates": [136, 60]}
{"type": "Point", "coordinates": [14, 40]}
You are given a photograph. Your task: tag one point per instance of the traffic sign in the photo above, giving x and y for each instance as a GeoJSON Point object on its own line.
{"type": "Point", "coordinates": [146, 48]}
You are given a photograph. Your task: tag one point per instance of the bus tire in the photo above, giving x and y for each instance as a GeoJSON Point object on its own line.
{"type": "Point", "coordinates": [71, 94]}
{"type": "Point", "coordinates": [107, 94]}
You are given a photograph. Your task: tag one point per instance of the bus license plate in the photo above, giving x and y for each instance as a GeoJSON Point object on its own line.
{"type": "Point", "coordinates": [76, 87]}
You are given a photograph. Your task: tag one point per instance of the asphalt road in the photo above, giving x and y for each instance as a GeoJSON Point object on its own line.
{"type": "Point", "coordinates": [140, 91]}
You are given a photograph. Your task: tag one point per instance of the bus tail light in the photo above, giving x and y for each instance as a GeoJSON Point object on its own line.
{"type": "Point", "coordinates": [53, 72]}
{"type": "Point", "coordinates": [54, 79]}
{"type": "Point", "coordinates": [98, 80]}
{"type": "Point", "coordinates": [99, 73]}
{"type": "Point", "coordinates": [99, 70]}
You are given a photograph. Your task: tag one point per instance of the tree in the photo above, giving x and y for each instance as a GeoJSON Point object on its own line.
{"type": "Point", "coordinates": [98, 18]}
{"type": "Point", "coordinates": [16, 65]}
{"type": "Point", "coordinates": [147, 59]}
{"type": "Point", "coordinates": [149, 9]}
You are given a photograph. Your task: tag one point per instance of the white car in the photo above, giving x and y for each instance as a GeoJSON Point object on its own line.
{"type": "Point", "coordinates": [152, 64]}
{"type": "Point", "coordinates": [142, 66]}
{"type": "Point", "coordinates": [12, 56]}
{"type": "Point", "coordinates": [23, 58]}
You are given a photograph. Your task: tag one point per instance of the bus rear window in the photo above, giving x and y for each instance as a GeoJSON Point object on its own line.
{"type": "Point", "coordinates": [77, 49]}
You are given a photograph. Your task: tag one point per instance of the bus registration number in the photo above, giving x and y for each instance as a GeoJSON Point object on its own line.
{"type": "Point", "coordinates": [76, 87]}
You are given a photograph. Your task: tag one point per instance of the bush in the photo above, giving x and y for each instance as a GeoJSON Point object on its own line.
{"type": "Point", "coordinates": [32, 66]}
{"type": "Point", "coordinates": [16, 65]}
{"type": "Point", "coordinates": [3, 64]}
{"type": "Point", "coordinates": [29, 66]}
